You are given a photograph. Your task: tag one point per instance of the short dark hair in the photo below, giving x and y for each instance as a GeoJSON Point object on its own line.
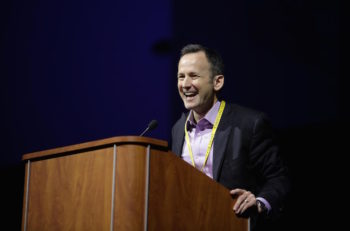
{"type": "Point", "coordinates": [214, 58]}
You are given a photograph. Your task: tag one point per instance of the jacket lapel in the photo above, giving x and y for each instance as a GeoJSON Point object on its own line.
{"type": "Point", "coordinates": [220, 141]}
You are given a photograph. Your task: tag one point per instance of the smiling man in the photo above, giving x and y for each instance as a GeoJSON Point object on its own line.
{"type": "Point", "coordinates": [197, 85]}
{"type": "Point", "coordinates": [229, 143]}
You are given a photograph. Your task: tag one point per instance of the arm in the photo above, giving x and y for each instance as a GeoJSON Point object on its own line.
{"type": "Point", "coordinates": [265, 160]}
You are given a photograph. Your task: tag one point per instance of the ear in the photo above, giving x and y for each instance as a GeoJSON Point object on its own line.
{"type": "Point", "coordinates": [218, 82]}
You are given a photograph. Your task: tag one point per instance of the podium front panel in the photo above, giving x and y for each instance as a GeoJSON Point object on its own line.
{"type": "Point", "coordinates": [71, 192]}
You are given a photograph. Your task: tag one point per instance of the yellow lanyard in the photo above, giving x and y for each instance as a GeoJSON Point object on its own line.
{"type": "Point", "coordinates": [216, 123]}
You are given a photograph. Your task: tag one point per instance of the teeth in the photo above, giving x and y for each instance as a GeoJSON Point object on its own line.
{"type": "Point", "coordinates": [189, 94]}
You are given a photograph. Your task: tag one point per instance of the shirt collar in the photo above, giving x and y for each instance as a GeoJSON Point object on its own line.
{"type": "Point", "coordinates": [209, 117]}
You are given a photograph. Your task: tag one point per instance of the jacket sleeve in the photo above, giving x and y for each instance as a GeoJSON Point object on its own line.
{"type": "Point", "coordinates": [266, 160]}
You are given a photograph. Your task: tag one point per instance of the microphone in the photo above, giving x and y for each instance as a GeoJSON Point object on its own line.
{"type": "Point", "coordinates": [152, 125]}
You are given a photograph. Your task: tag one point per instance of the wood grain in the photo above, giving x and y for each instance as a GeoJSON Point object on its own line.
{"type": "Point", "coordinates": [183, 198]}
{"type": "Point", "coordinates": [71, 192]}
{"type": "Point", "coordinates": [130, 188]}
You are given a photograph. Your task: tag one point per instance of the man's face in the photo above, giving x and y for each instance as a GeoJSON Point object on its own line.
{"type": "Point", "coordinates": [195, 85]}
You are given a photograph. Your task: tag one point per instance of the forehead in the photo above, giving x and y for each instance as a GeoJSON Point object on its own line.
{"type": "Point", "coordinates": [193, 62]}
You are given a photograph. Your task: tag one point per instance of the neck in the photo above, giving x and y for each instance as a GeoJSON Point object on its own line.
{"type": "Point", "coordinates": [198, 115]}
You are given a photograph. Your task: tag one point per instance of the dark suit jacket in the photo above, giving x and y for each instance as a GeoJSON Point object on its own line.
{"type": "Point", "coordinates": [245, 154]}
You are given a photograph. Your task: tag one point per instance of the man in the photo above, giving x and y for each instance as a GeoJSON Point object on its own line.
{"type": "Point", "coordinates": [229, 143]}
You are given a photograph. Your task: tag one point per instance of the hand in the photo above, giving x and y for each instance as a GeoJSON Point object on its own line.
{"type": "Point", "coordinates": [245, 204]}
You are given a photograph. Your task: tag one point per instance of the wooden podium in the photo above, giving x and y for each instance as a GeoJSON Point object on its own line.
{"type": "Point", "coordinates": [122, 183]}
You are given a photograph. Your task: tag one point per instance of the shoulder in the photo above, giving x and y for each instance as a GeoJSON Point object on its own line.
{"type": "Point", "coordinates": [178, 127]}
{"type": "Point", "coordinates": [249, 121]}
{"type": "Point", "coordinates": [177, 134]}
{"type": "Point", "coordinates": [180, 123]}
{"type": "Point", "coordinates": [242, 114]}
{"type": "Point", "coordinates": [181, 120]}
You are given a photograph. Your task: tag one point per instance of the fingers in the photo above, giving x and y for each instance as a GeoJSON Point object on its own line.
{"type": "Point", "coordinates": [245, 204]}
{"type": "Point", "coordinates": [244, 201]}
{"type": "Point", "coordinates": [237, 191]}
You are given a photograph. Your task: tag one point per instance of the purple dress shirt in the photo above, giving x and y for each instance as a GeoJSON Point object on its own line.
{"type": "Point", "coordinates": [199, 135]}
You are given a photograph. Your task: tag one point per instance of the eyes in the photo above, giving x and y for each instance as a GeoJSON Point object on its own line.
{"type": "Point", "coordinates": [191, 75]}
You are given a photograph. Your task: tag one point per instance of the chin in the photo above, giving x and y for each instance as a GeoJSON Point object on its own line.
{"type": "Point", "coordinates": [189, 106]}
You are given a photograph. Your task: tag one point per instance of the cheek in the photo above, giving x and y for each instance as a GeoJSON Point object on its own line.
{"type": "Point", "coordinates": [179, 88]}
{"type": "Point", "coordinates": [194, 85]}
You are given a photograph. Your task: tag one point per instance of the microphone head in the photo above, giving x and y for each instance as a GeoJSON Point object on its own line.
{"type": "Point", "coordinates": [153, 124]}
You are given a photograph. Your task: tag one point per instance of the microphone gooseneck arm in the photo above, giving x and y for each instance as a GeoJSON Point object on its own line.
{"type": "Point", "coordinates": [152, 125]}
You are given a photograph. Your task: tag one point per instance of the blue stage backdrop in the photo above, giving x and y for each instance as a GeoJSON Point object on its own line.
{"type": "Point", "coordinates": [76, 71]}
{"type": "Point", "coordinates": [79, 71]}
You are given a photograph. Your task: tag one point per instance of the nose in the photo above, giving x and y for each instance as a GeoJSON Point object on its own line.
{"type": "Point", "coordinates": [186, 83]}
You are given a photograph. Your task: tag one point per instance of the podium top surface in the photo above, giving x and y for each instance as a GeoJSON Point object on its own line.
{"type": "Point", "coordinates": [119, 140]}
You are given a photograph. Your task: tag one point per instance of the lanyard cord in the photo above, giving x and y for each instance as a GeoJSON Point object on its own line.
{"type": "Point", "coordinates": [216, 123]}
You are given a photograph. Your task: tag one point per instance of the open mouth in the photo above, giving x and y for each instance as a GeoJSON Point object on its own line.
{"type": "Point", "coordinates": [190, 95]}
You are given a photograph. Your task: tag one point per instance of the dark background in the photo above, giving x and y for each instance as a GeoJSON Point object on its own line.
{"type": "Point", "coordinates": [78, 71]}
